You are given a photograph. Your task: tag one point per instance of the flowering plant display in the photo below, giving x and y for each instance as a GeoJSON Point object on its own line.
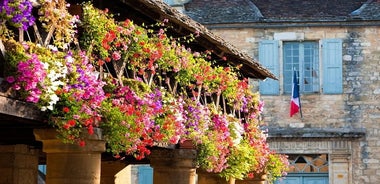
{"type": "Point", "coordinates": [142, 88]}
{"type": "Point", "coordinates": [17, 12]}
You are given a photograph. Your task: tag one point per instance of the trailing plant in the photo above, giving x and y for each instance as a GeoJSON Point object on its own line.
{"type": "Point", "coordinates": [58, 22]}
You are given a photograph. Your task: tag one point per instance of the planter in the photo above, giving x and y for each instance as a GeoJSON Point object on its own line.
{"type": "Point", "coordinates": [187, 144]}
{"type": "Point", "coordinates": [205, 177]}
{"type": "Point", "coordinates": [259, 178]}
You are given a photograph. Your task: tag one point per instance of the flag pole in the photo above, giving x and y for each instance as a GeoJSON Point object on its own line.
{"type": "Point", "coordinates": [299, 98]}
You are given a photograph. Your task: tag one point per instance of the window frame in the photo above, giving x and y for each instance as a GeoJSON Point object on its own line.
{"type": "Point", "coordinates": [287, 75]}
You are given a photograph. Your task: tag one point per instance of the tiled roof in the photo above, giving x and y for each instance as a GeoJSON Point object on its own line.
{"type": "Point", "coordinates": [242, 11]}
{"type": "Point", "coordinates": [222, 11]}
{"type": "Point", "coordinates": [314, 10]}
{"type": "Point", "coordinates": [369, 11]}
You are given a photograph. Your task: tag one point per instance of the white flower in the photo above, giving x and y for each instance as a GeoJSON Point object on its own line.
{"type": "Point", "coordinates": [69, 59]}
{"type": "Point", "coordinates": [54, 98]}
{"type": "Point", "coordinates": [52, 75]}
{"type": "Point", "coordinates": [50, 107]}
{"type": "Point", "coordinates": [238, 130]}
{"type": "Point", "coordinates": [43, 108]}
{"type": "Point", "coordinates": [52, 48]}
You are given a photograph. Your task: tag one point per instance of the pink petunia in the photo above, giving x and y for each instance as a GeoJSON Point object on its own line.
{"type": "Point", "coordinates": [116, 56]}
{"type": "Point", "coordinates": [11, 79]}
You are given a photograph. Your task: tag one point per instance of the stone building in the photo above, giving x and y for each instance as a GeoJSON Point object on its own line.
{"type": "Point", "coordinates": [334, 48]}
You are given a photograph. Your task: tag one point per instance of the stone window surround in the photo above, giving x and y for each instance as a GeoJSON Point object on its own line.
{"type": "Point", "coordinates": [337, 143]}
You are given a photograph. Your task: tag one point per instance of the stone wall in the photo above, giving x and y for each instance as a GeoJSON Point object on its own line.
{"type": "Point", "coordinates": [358, 106]}
{"type": "Point", "coordinates": [18, 164]}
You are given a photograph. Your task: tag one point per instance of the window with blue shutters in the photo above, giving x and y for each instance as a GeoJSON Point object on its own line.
{"type": "Point", "coordinates": [319, 66]}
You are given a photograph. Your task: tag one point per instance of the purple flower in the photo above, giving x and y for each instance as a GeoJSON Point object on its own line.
{"type": "Point", "coordinates": [18, 13]}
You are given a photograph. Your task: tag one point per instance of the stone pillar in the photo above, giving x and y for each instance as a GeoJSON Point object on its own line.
{"type": "Point", "coordinates": [340, 168]}
{"type": "Point", "coordinates": [173, 166]}
{"type": "Point", "coordinates": [109, 171]}
{"type": "Point", "coordinates": [18, 164]}
{"type": "Point", "coordinates": [71, 163]}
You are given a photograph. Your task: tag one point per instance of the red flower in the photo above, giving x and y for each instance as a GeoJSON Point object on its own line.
{"type": "Point", "coordinates": [71, 122]}
{"type": "Point", "coordinates": [161, 37]}
{"type": "Point", "coordinates": [110, 36]}
{"type": "Point", "coordinates": [136, 55]}
{"type": "Point", "coordinates": [88, 122]}
{"type": "Point", "coordinates": [66, 109]}
{"type": "Point", "coordinates": [90, 129]}
{"type": "Point", "coordinates": [66, 126]}
{"type": "Point", "coordinates": [146, 50]}
{"type": "Point", "coordinates": [108, 59]}
{"type": "Point", "coordinates": [100, 62]}
{"type": "Point", "coordinates": [127, 22]}
{"type": "Point", "coordinates": [105, 44]}
{"type": "Point", "coordinates": [82, 143]}
{"type": "Point", "coordinates": [251, 175]}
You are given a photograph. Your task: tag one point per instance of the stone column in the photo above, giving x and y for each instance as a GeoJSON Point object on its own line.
{"type": "Point", "coordinates": [340, 168]}
{"type": "Point", "coordinates": [109, 171]}
{"type": "Point", "coordinates": [173, 166]}
{"type": "Point", "coordinates": [18, 164]}
{"type": "Point", "coordinates": [71, 163]}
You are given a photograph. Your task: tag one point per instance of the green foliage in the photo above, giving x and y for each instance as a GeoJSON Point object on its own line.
{"type": "Point", "coordinates": [242, 160]}
{"type": "Point", "coordinates": [95, 23]}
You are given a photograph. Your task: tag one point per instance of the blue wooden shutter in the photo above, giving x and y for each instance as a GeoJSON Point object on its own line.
{"type": "Point", "coordinates": [268, 57]}
{"type": "Point", "coordinates": [332, 66]}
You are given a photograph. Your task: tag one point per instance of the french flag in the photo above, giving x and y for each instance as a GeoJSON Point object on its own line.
{"type": "Point", "coordinates": [295, 105]}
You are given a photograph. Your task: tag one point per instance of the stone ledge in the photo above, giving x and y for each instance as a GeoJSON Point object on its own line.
{"type": "Point", "coordinates": [316, 132]}
{"type": "Point", "coordinates": [20, 109]}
